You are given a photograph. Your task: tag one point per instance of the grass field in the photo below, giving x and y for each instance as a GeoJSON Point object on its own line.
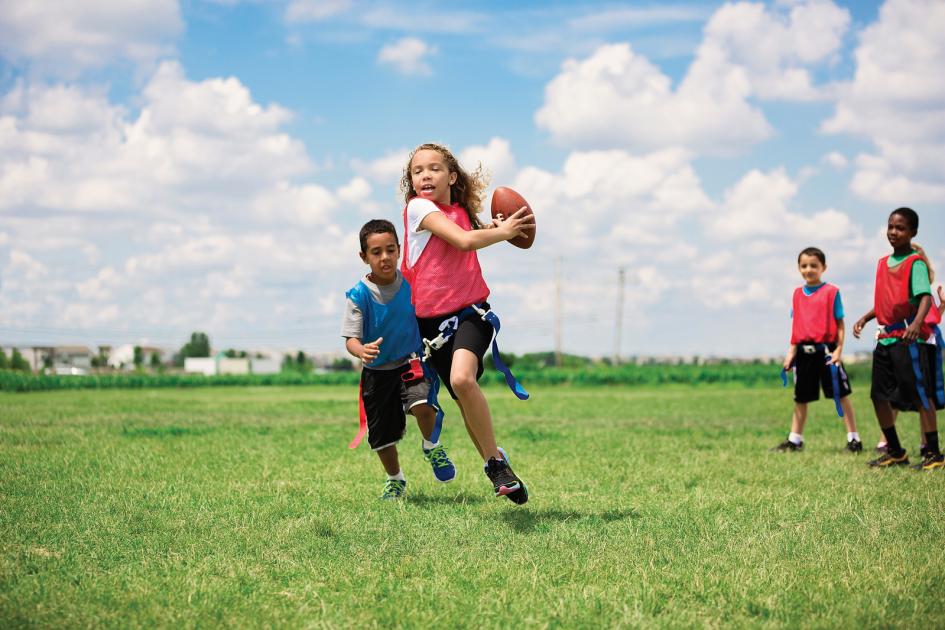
{"type": "Point", "coordinates": [651, 506]}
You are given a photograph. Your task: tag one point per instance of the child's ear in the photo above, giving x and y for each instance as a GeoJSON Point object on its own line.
{"type": "Point", "coordinates": [453, 177]}
{"type": "Point", "coordinates": [363, 257]}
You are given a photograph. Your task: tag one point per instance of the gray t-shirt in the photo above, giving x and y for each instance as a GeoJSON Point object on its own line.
{"type": "Point", "coordinates": [352, 324]}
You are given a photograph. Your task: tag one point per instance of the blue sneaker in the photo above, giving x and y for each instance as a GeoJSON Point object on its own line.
{"type": "Point", "coordinates": [394, 489]}
{"type": "Point", "coordinates": [443, 468]}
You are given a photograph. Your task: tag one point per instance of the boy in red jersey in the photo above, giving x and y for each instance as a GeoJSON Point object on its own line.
{"type": "Point", "coordinates": [901, 365]}
{"type": "Point", "coordinates": [817, 335]}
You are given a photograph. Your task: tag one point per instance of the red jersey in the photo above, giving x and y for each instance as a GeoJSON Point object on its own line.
{"type": "Point", "coordinates": [891, 297]}
{"type": "Point", "coordinates": [444, 279]}
{"type": "Point", "coordinates": [813, 320]}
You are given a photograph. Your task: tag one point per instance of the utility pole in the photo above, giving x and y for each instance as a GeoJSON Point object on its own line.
{"type": "Point", "coordinates": [558, 311]}
{"type": "Point", "coordinates": [618, 324]}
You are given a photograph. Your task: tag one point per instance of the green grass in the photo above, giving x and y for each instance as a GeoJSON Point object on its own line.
{"type": "Point", "coordinates": [651, 506]}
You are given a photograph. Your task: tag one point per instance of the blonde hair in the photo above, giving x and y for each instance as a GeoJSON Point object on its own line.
{"type": "Point", "coordinates": [925, 257]}
{"type": "Point", "coordinates": [467, 190]}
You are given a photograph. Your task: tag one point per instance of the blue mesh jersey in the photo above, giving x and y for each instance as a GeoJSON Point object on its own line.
{"type": "Point", "coordinates": [395, 321]}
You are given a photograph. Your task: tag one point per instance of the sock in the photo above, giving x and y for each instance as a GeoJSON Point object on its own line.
{"type": "Point", "coordinates": [931, 442]}
{"type": "Point", "coordinates": [428, 445]}
{"type": "Point", "coordinates": [398, 477]}
{"type": "Point", "coordinates": [853, 435]}
{"type": "Point", "coordinates": [795, 438]}
{"type": "Point", "coordinates": [892, 440]}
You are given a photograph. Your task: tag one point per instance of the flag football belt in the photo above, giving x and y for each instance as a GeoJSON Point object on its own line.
{"type": "Point", "coordinates": [917, 366]}
{"type": "Point", "coordinates": [447, 330]}
{"type": "Point", "coordinates": [814, 348]}
{"type": "Point", "coordinates": [417, 370]}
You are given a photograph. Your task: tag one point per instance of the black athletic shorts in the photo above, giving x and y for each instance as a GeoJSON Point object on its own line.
{"type": "Point", "coordinates": [474, 334]}
{"type": "Point", "coordinates": [894, 377]}
{"type": "Point", "coordinates": [386, 399]}
{"type": "Point", "coordinates": [813, 374]}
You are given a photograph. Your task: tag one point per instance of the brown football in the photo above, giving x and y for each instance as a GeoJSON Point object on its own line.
{"type": "Point", "coordinates": [506, 202]}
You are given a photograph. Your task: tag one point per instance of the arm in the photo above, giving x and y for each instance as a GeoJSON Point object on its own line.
{"type": "Point", "coordinates": [367, 352]}
{"type": "Point", "coordinates": [841, 336]}
{"type": "Point", "coordinates": [863, 321]}
{"type": "Point", "coordinates": [912, 330]}
{"type": "Point", "coordinates": [789, 359]}
{"type": "Point", "coordinates": [516, 225]}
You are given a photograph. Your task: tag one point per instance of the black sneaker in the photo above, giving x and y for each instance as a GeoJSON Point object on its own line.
{"type": "Point", "coordinates": [788, 445]}
{"type": "Point", "coordinates": [888, 460]}
{"type": "Point", "coordinates": [924, 451]}
{"type": "Point", "coordinates": [504, 481]}
{"type": "Point", "coordinates": [930, 461]}
{"type": "Point", "coordinates": [855, 446]}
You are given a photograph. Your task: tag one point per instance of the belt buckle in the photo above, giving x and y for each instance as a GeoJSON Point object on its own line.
{"type": "Point", "coordinates": [808, 349]}
{"type": "Point", "coordinates": [414, 373]}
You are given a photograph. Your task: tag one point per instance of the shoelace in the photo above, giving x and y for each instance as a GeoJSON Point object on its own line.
{"type": "Point", "coordinates": [438, 457]}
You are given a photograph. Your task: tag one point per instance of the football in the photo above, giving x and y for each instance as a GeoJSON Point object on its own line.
{"type": "Point", "coordinates": [505, 203]}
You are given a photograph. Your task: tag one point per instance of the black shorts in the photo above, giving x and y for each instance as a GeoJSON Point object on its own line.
{"type": "Point", "coordinates": [387, 398]}
{"type": "Point", "coordinates": [474, 334]}
{"type": "Point", "coordinates": [894, 377]}
{"type": "Point", "coordinates": [813, 374]}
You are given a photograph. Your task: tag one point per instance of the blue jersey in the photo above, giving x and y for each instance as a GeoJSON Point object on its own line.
{"type": "Point", "coordinates": [395, 321]}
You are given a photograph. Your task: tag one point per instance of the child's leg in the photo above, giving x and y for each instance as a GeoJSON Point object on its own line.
{"type": "Point", "coordinates": [389, 459]}
{"type": "Point", "coordinates": [928, 419]}
{"type": "Point", "coordinates": [848, 418]}
{"type": "Point", "coordinates": [426, 419]}
{"type": "Point", "coordinates": [799, 419]}
{"type": "Point", "coordinates": [886, 416]}
{"type": "Point", "coordinates": [472, 434]}
{"type": "Point", "coordinates": [473, 403]}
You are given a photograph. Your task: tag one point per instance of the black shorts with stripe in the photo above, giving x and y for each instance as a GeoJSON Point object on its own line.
{"type": "Point", "coordinates": [813, 374]}
{"type": "Point", "coordinates": [386, 399]}
{"type": "Point", "coordinates": [474, 334]}
{"type": "Point", "coordinates": [894, 375]}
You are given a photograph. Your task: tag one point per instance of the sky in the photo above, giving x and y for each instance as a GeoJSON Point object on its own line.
{"type": "Point", "coordinates": [173, 166]}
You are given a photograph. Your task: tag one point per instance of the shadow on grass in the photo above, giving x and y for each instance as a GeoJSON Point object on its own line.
{"type": "Point", "coordinates": [422, 499]}
{"type": "Point", "coordinates": [526, 521]}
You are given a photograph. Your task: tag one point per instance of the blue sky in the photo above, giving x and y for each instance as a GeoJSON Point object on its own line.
{"type": "Point", "coordinates": [174, 166]}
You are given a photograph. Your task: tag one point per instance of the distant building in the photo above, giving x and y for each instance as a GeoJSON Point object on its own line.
{"type": "Point", "coordinates": [123, 356]}
{"type": "Point", "coordinates": [201, 365]}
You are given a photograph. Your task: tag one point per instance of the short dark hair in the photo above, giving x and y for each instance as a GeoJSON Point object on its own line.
{"type": "Point", "coordinates": [376, 226]}
{"type": "Point", "coordinates": [813, 251]}
{"type": "Point", "coordinates": [910, 215]}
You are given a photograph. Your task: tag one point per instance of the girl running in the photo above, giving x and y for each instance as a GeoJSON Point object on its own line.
{"type": "Point", "coordinates": [442, 232]}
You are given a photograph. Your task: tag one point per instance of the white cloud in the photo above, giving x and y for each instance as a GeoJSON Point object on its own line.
{"type": "Point", "coordinates": [836, 160]}
{"type": "Point", "coordinates": [315, 10]}
{"type": "Point", "coordinates": [194, 146]}
{"type": "Point", "coordinates": [618, 98]}
{"type": "Point", "coordinates": [64, 38]}
{"type": "Point", "coordinates": [603, 200]}
{"type": "Point", "coordinates": [495, 157]}
{"type": "Point", "coordinates": [387, 168]}
{"type": "Point", "coordinates": [773, 47]}
{"type": "Point", "coordinates": [758, 206]}
{"type": "Point", "coordinates": [408, 56]}
{"type": "Point", "coordinates": [897, 100]}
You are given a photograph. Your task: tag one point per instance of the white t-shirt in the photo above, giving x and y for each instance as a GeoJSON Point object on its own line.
{"type": "Point", "coordinates": [417, 210]}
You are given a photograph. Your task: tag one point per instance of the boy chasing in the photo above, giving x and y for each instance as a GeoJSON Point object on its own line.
{"type": "Point", "coordinates": [380, 328]}
{"type": "Point", "coordinates": [817, 335]}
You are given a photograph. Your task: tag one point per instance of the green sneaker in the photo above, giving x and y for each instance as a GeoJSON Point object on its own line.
{"type": "Point", "coordinates": [394, 489]}
{"type": "Point", "coordinates": [443, 468]}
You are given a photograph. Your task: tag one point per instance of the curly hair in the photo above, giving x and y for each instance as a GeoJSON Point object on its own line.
{"type": "Point", "coordinates": [467, 191]}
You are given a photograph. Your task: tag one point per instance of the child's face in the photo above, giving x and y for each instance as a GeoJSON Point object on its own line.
{"type": "Point", "coordinates": [381, 256]}
{"type": "Point", "coordinates": [430, 176]}
{"type": "Point", "coordinates": [898, 232]}
{"type": "Point", "coordinates": [811, 269]}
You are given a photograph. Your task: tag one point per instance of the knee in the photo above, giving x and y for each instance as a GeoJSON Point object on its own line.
{"type": "Point", "coordinates": [463, 383]}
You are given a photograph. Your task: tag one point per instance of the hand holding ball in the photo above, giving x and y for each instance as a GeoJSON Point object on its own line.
{"type": "Point", "coordinates": [505, 203]}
